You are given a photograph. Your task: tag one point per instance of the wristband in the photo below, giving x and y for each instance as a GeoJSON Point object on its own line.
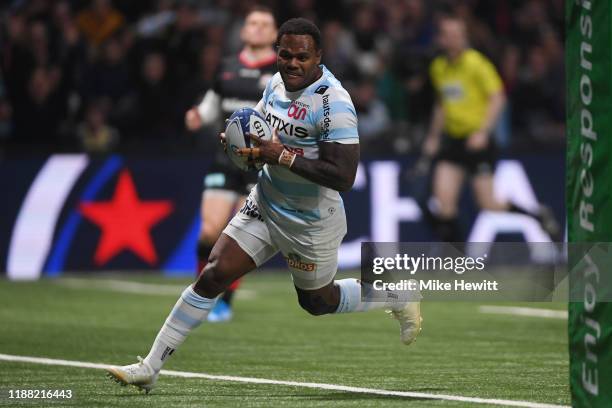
{"type": "Point", "coordinates": [286, 158]}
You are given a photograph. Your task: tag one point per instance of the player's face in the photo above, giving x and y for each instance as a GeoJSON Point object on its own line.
{"type": "Point", "coordinates": [298, 61]}
{"type": "Point", "coordinates": [452, 37]}
{"type": "Point", "coordinates": [259, 29]}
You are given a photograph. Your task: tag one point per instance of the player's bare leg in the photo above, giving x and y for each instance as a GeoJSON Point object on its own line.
{"type": "Point", "coordinates": [228, 262]}
{"type": "Point", "coordinates": [217, 206]}
{"type": "Point", "coordinates": [345, 296]}
{"type": "Point", "coordinates": [447, 183]}
{"type": "Point", "coordinates": [215, 210]}
{"type": "Point", "coordinates": [482, 185]}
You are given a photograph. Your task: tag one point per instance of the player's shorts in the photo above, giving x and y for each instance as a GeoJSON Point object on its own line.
{"type": "Point", "coordinates": [455, 150]}
{"type": "Point", "coordinates": [311, 255]}
{"type": "Point", "coordinates": [225, 176]}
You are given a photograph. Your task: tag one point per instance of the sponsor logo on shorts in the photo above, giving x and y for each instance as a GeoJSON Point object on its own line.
{"type": "Point", "coordinates": [294, 261]}
{"type": "Point", "coordinates": [250, 209]}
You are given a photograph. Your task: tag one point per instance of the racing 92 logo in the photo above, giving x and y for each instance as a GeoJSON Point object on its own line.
{"type": "Point", "coordinates": [296, 112]}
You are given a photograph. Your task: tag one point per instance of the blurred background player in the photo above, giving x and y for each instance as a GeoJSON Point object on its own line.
{"type": "Point", "coordinates": [240, 82]}
{"type": "Point", "coordinates": [470, 98]}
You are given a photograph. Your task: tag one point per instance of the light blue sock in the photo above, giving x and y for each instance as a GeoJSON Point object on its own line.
{"type": "Point", "coordinates": [351, 300]}
{"type": "Point", "coordinates": [188, 313]}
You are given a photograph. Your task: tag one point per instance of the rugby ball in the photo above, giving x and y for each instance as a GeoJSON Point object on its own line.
{"type": "Point", "coordinates": [239, 125]}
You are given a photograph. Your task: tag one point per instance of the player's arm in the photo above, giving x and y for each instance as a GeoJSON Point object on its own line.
{"type": "Point", "coordinates": [335, 168]}
{"type": "Point", "coordinates": [497, 101]}
{"type": "Point", "coordinates": [207, 112]}
{"type": "Point", "coordinates": [491, 85]}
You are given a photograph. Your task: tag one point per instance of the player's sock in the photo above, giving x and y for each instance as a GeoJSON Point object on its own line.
{"type": "Point", "coordinates": [188, 313]}
{"type": "Point", "coordinates": [545, 217]}
{"type": "Point", "coordinates": [204, 250]}
{"type": "Point", "coordinates": [228, 295]}
{"type": "Point", "coordinates": [519, 210]}
{"type": "Point", "coordinates": [351, 300]}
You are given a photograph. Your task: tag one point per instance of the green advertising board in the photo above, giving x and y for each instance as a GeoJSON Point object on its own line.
{"type": "Point", "coordinates": [589, 194]}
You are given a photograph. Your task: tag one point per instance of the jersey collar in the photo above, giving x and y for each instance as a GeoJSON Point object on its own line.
{"type": "Point", "coordinates": [255, 64]}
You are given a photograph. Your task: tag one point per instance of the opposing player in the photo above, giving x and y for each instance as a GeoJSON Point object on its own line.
{"type": "Point", "coordinates": [239, 83]}
{"type": "Point", "coordinates": [470, 100]}
{"type": "Point", "coordinates": [295, 207]}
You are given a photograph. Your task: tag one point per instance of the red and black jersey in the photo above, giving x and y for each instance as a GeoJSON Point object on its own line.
{"type": "Point", "coordinates": [240, 83]}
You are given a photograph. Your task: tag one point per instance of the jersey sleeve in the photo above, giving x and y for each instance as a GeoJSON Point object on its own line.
{"type": "Point", "coordinates": [336, 119]}
{"type": "Point", "coordinates": [210, 107]}
{"type": "Point", "coordinates": [488, 78]}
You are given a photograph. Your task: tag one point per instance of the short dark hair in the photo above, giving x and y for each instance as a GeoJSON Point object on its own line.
{"type": "Point", "coordinates": [258, 8]}
{"type": "Point", "coordinates": [300, 26]}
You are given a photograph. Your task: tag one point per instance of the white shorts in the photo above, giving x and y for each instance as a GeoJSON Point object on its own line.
{"type": "Point", "coordinates": [312, 256]}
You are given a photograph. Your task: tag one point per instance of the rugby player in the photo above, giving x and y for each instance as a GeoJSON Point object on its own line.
{"type": "Point", "coordinates": [238, 83]}
{"type": "Point", "coordinates": [295, 208]}
{"type": "Point", "coordinates": [470, 100]}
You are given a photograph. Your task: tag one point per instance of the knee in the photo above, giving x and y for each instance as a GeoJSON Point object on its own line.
{"type": "Point", "coordinates": [314, 304]}
{"type": "Point", "coordinates": [490, 203]}
{"type": "Point", "coordinates": [209, 233]}
{"type": "Point", "coordinates": [443, 207]}
{"type": "Point", "coordinates": [212, 281]}
{"type": "Point", "coordinates": [447, 211]}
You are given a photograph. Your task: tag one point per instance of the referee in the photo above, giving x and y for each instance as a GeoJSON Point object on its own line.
{"type": "Point", "coordinates": [470, 98]}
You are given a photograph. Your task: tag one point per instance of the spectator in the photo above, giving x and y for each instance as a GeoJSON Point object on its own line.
{"type": "Point", "coordinates": [538, 104]}
{"type": "Point", "coordinates": [6, 113]}
{"type": "Point", "coordinates": [95, 135]}
{"type": "Point", "coordinates": [99, 21]}
{"type": "Point", "coordinates": [38, 116]}
{"type": "Point", "coordinates": [108, 75]}
{"type": "Point", "coordinates": [155, 116]}
{"type": "Point", "coordinates": [372, 114]}
{"type": "Point", "coordinates": [82, 57]}
{"type": "Point", "coordinates": [338, 50]}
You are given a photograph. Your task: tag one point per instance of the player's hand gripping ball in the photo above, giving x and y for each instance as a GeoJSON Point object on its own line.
{"type": "Point", "coordinates": [243, 122]}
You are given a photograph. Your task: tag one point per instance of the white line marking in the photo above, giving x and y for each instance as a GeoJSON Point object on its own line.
{"type": "Point", "coordinates": [322, 386]}
{"type": "Point", "coordinates": [138, 288]}
{"type": "Point", "coordinates": [525, 311]}
{"type": "Point", "coordinates": [122, 286]}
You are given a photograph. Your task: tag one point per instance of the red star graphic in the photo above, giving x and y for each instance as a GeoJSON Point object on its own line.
{"type": "Point", "coordinates": [126, 222]}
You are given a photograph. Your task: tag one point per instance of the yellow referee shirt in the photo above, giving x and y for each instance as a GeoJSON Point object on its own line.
{"type": "Point", "coordinates": [464, 87]}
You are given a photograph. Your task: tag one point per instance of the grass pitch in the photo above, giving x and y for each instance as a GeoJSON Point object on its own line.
{"type": "Point", "coordinates": [460, 352]}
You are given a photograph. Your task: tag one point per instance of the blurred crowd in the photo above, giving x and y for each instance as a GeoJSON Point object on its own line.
{"type": "Point", "coordinates": [102, 76]}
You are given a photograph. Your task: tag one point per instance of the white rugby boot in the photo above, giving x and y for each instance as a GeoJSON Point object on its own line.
{"type": "Point", "coordinates": [410, 321]}
{"type": "Point", "coordinates": [139, 374]}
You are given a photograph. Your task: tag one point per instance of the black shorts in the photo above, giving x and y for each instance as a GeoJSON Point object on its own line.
{"type": "Point", "coordinates": [225, 176]}
{"type": "Point", "coordinates": [455, 150]}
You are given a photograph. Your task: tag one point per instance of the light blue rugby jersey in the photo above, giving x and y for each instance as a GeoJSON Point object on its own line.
{"type": "Point", "coordinates": [321, 112]}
